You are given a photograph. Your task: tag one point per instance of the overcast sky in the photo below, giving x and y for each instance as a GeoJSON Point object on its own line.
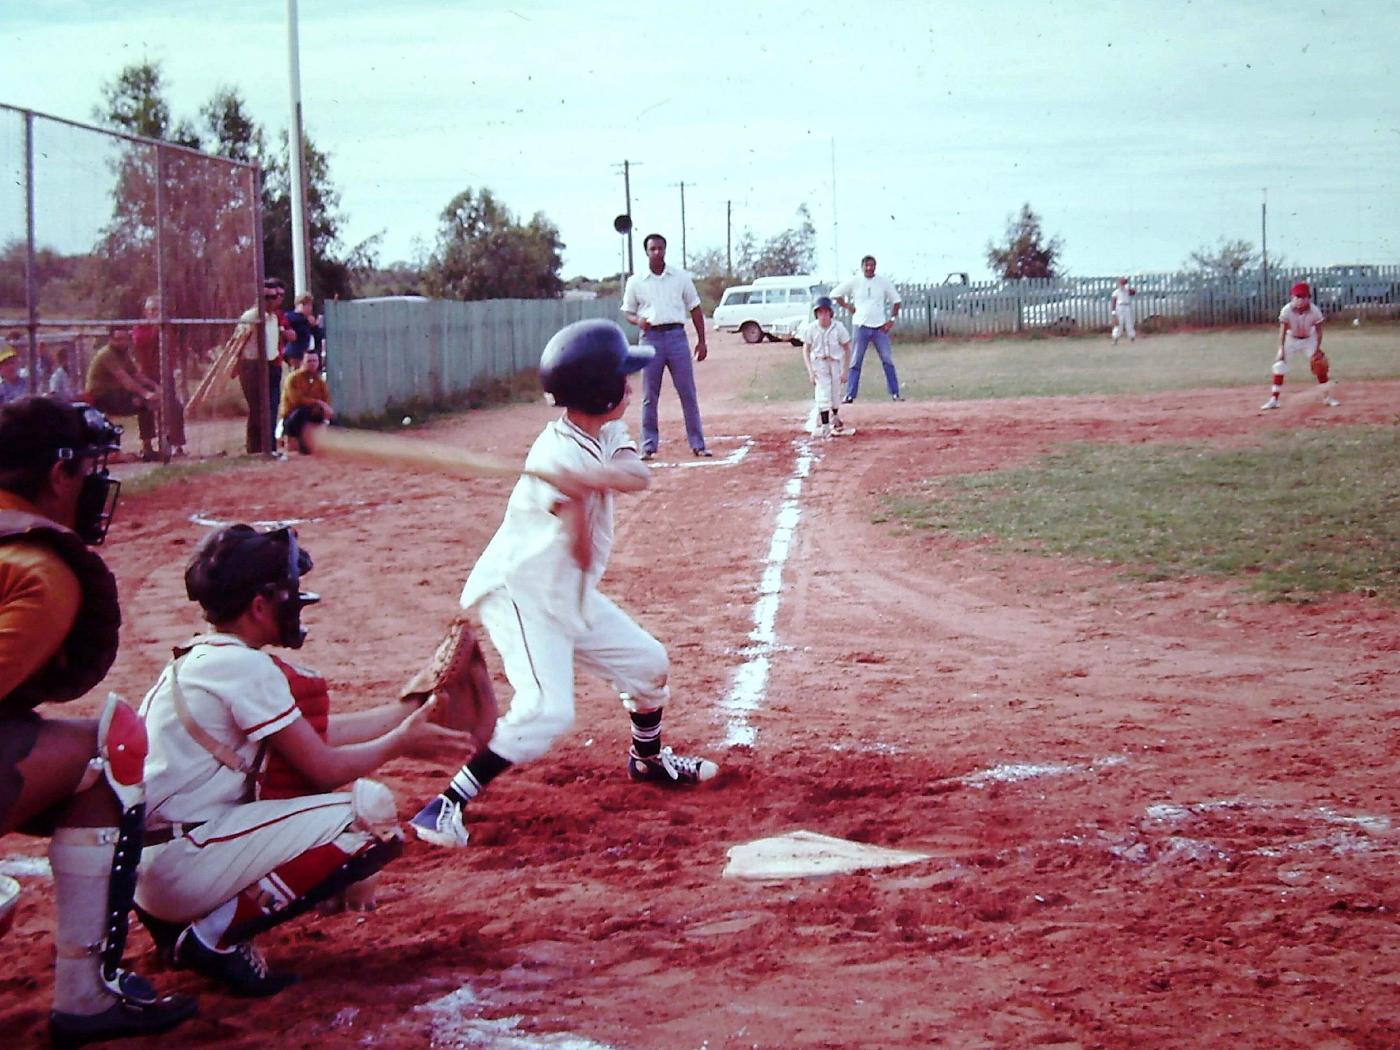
{"type": "Point", "coordinates": [1138, 130]}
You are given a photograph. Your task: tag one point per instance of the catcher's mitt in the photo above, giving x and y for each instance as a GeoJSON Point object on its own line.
{"type": "Point", "coordinates": [457, 674]}
{"type": "Point", "coordinates": [1319, 366]}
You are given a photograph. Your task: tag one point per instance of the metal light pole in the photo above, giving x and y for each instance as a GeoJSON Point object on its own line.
{"type": "Point", "coordinates": [295, 170]}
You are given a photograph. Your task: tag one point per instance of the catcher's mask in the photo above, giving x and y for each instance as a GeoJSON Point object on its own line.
{"type": "Point", "coordinates": [236, 564]}
{"type": "Point", "coordinates": [37, 432]}
{"type": "Point", "coordinates": [585, 366]}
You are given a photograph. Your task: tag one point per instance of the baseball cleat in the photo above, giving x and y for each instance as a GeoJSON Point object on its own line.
{"type": "Point", "coordinates": [1331, 402]}
{"type": "Point", "coordinates": [439, 823]}
{"type": "Point", "coordinates": [241, 969]}
{"type": "Point", "coordinates": [1271, 403]}
{"type": "Point", "coordinates": [140, 1013]}
{"type": "Point", "coordinates": [670, 769]}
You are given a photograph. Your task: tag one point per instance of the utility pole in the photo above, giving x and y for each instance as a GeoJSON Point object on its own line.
{"type": "Point", "coordinates": [1264, 234]}
{"type": "Point", "coordinates": [728, 238]}
{"type": "Point", "coordinates": [627, 189]}
{"type": "Point", "coordinates": [683, 253]}
{"type": "Point", "coordinates": [300, 280]}
{"type": "Point", "coordinates": [835, 228]}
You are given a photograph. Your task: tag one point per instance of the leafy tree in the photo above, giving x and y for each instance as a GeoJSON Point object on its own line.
{"type": "Point", "coordinates": [793, 250]}
{"type": "Point", "coordinates": [1228, 258]}
{"type": "Point", "coordinates": [1026, 252]}
{"type": "Point", "coordinates": [135, 103]}
{"type": "Point", "coordinates": [483, 252]}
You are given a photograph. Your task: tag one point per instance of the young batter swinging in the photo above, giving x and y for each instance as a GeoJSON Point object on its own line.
{"type": "Point", "coordinates": [535, 586]}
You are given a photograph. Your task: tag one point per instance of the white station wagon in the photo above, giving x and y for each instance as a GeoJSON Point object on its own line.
{"type": "Point", "coordinates": [753, 309]}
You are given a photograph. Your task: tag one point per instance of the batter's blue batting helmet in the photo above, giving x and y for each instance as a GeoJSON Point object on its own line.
{"type": "Point", "coordinates": [586, 364]}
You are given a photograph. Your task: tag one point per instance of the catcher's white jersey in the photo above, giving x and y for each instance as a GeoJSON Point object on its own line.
{"type": "Point", "coordinates": [530, 554]}
{"type": "Point", "coordinates": [238, 696]}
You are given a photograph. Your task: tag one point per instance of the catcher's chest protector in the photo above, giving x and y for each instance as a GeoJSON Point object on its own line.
{"type": "Point", "coordinates": [276, 777]}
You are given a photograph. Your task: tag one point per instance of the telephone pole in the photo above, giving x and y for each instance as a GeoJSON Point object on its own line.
{"type": "Point", "coordinates": [728, 238]}
{"type": "Point", "coordinates": [683, 251]}
{"type": "Point", "coordinates": [1264, 234]}
{"type": "Point", "coordinates": [627, 190]}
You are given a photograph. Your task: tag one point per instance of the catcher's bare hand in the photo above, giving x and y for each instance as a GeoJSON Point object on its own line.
{"type": "Point", "coordinates": [424, 739]}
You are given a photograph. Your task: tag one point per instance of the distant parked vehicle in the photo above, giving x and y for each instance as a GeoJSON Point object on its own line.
{"type": "Point", "coordinates": [752, 309]}
{"type": "Point", "coordinates": [1353, 285]}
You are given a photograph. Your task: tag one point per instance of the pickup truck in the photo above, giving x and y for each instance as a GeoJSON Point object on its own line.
{"type": "Point", "coordinates": [1341, 286]}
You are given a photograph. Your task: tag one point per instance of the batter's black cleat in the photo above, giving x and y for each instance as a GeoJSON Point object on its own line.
{"type": "Point", "coordinates": [670, 769]}
{"type": "Point", "coordinates": [241, 969]}
{"type": "Point", "coordinates": [139, 1012]}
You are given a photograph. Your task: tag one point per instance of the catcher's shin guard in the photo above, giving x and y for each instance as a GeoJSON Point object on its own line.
{"type": "Point", "coordinates": [315, 876]}
{"type": "Point", "coordinates": [121, 758]}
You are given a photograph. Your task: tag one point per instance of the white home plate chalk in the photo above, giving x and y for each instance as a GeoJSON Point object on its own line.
{"type": "Point", "coordinates": [800, 854]}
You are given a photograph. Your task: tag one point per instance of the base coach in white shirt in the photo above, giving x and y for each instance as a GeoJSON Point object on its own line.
{"type": "Point", "coordinates": [657, 301]}
{"type": "Point", "coordinates": [874, 305]}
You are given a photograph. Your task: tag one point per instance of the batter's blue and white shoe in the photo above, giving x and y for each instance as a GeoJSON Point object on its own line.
{"type": "Point", "coordinates": [440, 823]}
{"type": "Point", "coordinates": [670, 769]}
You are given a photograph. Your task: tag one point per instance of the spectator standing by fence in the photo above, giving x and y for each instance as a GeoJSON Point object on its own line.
{"type": "Point", "coordinates": [145, 343]}
{"type": "Point", "coordinates": [267, 359]}
{"type": "Point", "coordinates": [13, 386]}
{"type": "Point", "coordinates": [308, 331]}
{"type": "Point", "coordinates": [874, 305]}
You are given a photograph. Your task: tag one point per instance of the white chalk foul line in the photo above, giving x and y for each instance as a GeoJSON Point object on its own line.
{"type": "Point", "coordinates": [750, 680]}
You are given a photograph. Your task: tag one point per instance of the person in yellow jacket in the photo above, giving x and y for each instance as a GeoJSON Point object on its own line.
{"type": "Point", "coordinates": [305, 400]}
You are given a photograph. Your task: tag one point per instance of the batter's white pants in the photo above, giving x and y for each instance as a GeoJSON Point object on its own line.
{"type": "Point", "coordinates": [1124, 323]}
{"type": "Point", "coordinates": [828, 385]}
{"type": "Point", "coordinates": [186, 878]}
{"type": "Point", "coordinates": [538, 656]}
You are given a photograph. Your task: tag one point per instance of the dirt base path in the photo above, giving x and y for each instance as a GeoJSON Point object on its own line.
{"type": "Point", "coordinates": [1152, 815]}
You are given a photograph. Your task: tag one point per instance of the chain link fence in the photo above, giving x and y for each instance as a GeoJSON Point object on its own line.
{"type": "Point", "coordinates": [117, 240]}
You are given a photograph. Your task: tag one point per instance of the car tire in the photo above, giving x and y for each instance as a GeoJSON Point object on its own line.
{"type": "Point", "coordinates": [751, 332]}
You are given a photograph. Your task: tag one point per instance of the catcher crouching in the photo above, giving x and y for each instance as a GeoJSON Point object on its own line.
{"type": "Point", "coordinates": [535, 587]}
{"type": "Point", "coordinates": [244, 829]}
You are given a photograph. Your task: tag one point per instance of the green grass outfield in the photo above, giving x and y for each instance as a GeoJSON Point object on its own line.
{"type": "Point", "coordinates": [1058, 366]}
{"type": "Point", "coordinates": [1306, 513]}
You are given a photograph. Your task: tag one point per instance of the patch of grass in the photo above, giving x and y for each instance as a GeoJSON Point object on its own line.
{"type": "Point", "coordinates": [1308, 513]}
{"type": "Point", "coordinates": [150, 480]}
{"type": "Point", "coordinates": [1029, 367]}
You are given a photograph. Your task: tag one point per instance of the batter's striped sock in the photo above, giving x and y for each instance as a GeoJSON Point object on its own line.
{"type": "Point", "coordinates": [646, 733]}
{"type": "Point", "coordinates": [472, 778]}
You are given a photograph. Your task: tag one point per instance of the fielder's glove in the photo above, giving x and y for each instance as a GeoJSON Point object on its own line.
{"type": "Point", "coordinates": [457, 674]}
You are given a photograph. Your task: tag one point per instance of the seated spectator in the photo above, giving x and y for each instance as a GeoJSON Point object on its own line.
{"type": "Point", "coordinates": [13, 385]}
{"type": "Point", "coordinates": [308, 331]}
{"type": "Point", "coordinates": [117, 387]}
{"type": "Point", "coordinates": [305, 399]}
{"type": "Point", "coordinates": [245, 830]}
{"type": "Point", "coordinates": [62, 385]}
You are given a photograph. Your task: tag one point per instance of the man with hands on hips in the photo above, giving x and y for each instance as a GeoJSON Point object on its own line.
{"type": "Point", "coordinates": [874, 305]}
{"type": "Point", "coordinates": [657, 301]}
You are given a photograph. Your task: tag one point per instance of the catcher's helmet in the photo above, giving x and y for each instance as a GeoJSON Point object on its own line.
{"type": "Point", "coordinates": [823, 303]}
{"type": "Point", "coordinates": [586, 364]}
{"type": "Point", "coordinates": [235, 564]}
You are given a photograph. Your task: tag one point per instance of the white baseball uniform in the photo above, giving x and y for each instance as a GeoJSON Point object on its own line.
{"type": "Point", "coordinates": [543, 612]}
{"type": "Point", "coordinates": [824, 348]}
{"type": "Point", "coordinates": [1302, 334]}
{"type": "Point", "coordinates": [240, 698]}
{"type": "Point", "coordinates": [1121, 302]}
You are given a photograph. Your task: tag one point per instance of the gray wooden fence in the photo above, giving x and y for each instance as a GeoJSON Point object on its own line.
{"type": "Point", "coordinates": [1067, 304]}
{"type": "Point", "coordinates": [390, 352]}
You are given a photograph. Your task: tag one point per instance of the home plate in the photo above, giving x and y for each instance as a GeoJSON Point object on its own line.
{"type": "Point", "coordinates": [799, 854]}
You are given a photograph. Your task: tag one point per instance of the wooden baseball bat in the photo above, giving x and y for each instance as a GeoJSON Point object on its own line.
{"type": "Point", "coordinates": [392, 450]}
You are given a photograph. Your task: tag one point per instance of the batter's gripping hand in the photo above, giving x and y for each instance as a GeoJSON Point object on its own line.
{"type": "Point", "coordinates": [456, 674]}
